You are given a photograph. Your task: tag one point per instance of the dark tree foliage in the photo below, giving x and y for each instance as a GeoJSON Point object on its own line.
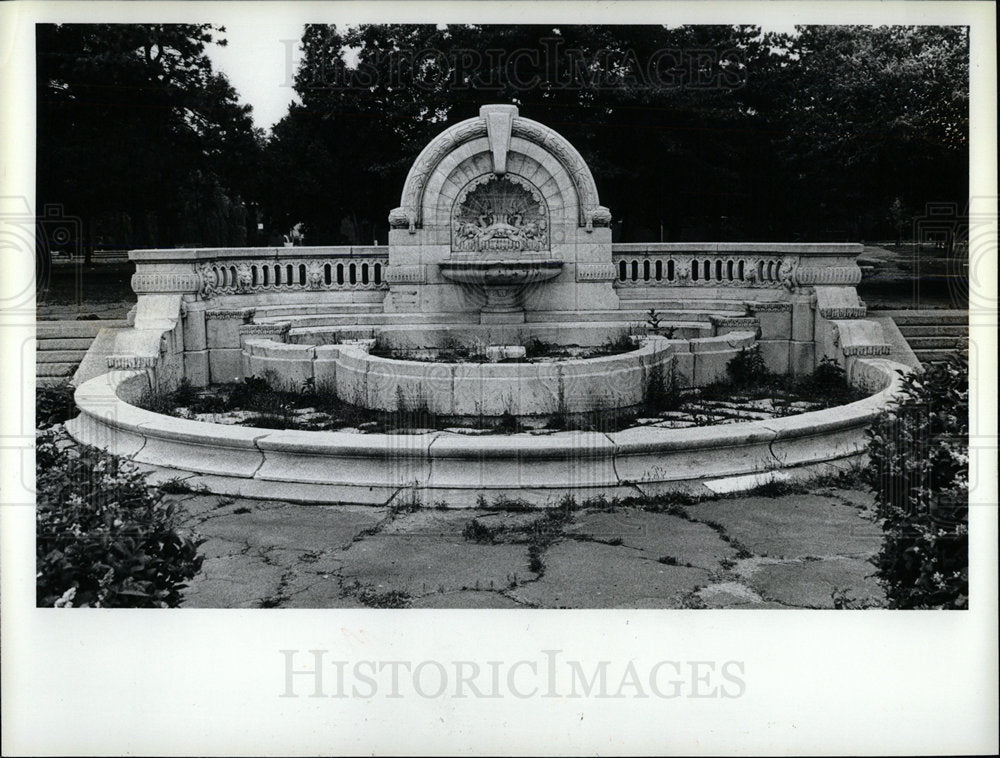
{"type": "Point", "coordinates": [692, 132]}
{"type": "Point", "coordinates": [696, 132]}
{"type": "Point", "coordinates": [140, 139]}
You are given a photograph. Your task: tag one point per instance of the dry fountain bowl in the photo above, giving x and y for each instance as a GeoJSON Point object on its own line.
{"type": "Point", "coordinates": [378, 469]}
{"type": "Point", "coordinates": [503, 282]}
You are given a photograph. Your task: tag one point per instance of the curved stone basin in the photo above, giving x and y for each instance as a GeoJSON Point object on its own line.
{"type": "Point", "coordinates": [503, 282]}
{"type": "Point", "coordinates": [501, 273]}
{"type": "Point", "coordinates": [338, 467]}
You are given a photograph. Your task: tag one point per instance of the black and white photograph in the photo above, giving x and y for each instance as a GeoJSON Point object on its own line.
{"type": "Point", "coordinates": [630, 368]}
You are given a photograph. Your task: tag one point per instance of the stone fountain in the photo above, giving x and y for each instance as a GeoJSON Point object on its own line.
{"type": "Point", "coordinates": [500, 239]}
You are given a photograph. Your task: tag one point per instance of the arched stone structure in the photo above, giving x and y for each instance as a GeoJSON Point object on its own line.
{"type": "Point", "coordinates": [505, 134]}
{"type": "Point", "coordinates": [558, 218]}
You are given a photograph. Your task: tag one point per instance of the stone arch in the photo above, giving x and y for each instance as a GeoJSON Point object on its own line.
{"type": "Point", "coordinates": [525, 160]}
{"type": "Point", "coordinates": [497, 132]}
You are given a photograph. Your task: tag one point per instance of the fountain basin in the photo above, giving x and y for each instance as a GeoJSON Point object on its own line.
{"type": "Point", "coordinates": [337, 467]}
{"type": "Point", "coordinates": [503, 282]}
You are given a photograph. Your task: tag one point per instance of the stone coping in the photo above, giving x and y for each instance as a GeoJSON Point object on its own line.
{"type": "Point", "coordinates": [363, 251]}
{"type": "Point", "coordinates": [778, 248]}
{"type": "Point", "coordinates": [180, 255]}
{"type": "Point", "coordinates": [374, 468]}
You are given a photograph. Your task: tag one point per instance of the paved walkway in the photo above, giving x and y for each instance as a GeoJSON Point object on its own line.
{"type": "Point", "coordinates": [790, 551]}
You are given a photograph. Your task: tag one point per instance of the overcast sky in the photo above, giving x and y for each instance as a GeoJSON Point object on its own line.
{"type": "Point", "coordinates": [257, 64]}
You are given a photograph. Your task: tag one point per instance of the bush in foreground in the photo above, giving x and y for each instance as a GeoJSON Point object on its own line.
{"type": "Point", "coordinates": [103, 538]}
{"type": "Point", "coordinates": [919, 451]}
{"type": "Point", "coordinates": [54, 405]}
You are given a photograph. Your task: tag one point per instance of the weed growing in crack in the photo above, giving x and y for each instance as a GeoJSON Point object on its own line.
{"type": "Point", "coordinates": [693, 600]}
{"type": "Point", "coordinates": [538, 534]}
{"type": "Point", "coordinates": [476, 531]}
{"type": "Point", "coordinates": [374, 598]}
{"type": "Point", "coordinates": [281, 592]}
{"type": "Point", "coordinates": [180, 486]}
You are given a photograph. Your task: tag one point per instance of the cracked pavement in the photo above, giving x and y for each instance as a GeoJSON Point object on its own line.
{"type": "Point", "coordinates": [747, 552]}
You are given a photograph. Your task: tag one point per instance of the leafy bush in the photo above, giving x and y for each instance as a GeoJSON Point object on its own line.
{"type": "Point", "coordinates": [828, 382]}
{"type": "Point", "coordinates": [54, 405]}
{"type": "Point", "coordinates": [662, 392]}
{"type": "Point", "coordinates": [103, 538]}
{"type": "Point", "coordinates": [919, 450]}
{"type": "Point", "coordinates": [747, 367]}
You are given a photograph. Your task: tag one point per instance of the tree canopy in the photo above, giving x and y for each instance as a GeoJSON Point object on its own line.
{"type": "Point", "coordinates": [140, 138]}
{"type": "Point", "coordinates": [692, 132]}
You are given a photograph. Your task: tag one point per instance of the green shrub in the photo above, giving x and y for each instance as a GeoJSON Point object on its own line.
{"type": "Point", "coordinates": [103, 538]}
{"type": "Point", "coordinates": [662, 392]}
{"type": "Point", "coordinates": [248, 393]}
{"type": "Point", "coordinates": [828, 382]}
{"type": "Point", "coordinates": [54, 405]}
{"type": "Point", "coordinates": [747, 367]}
{"type": "Point", "coordinates": [919, 450]}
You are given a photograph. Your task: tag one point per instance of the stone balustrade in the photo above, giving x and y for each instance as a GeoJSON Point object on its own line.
{"type": "Point", "coordinates": [210, 272]}
{"type": "Point", "coordinates": [752, 265]}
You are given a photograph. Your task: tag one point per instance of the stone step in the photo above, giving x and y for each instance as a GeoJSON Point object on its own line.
{"type": "Point", "coordinates": [65, 343]}
{"type": "Point", "coordinates": [55, 369]}
{"type": "Point", "coordinates": [675, 316]}
{"type": "Point", "coordinates": [934, 343]}
{"type": "Point", "coordinates": [59, 356]}
{"type": "Point", "coordinates": [73, 329]}
{"type": "Point", "coordinates": [271, 313]}
{"type": "Point", "coordinates": [678, 314]}
{"type": "Point", "coordinates": [933, 356]}
{"type": "Point", "coordinates": [928, 330]}
{"type": "Point", "coordinates": [930, 317]}
{"type": "Point", "coordinates": [647, 300]}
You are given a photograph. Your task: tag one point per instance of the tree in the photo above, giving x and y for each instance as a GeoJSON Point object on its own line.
{"type": "Point", "coordinates": [660, 114]}
{"type": "Point", "coordinates": [692, 132]}
{"type": "Point", "coordinates": [139, 137]}
{"type": "Point", "coordinates": [872, 115]}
